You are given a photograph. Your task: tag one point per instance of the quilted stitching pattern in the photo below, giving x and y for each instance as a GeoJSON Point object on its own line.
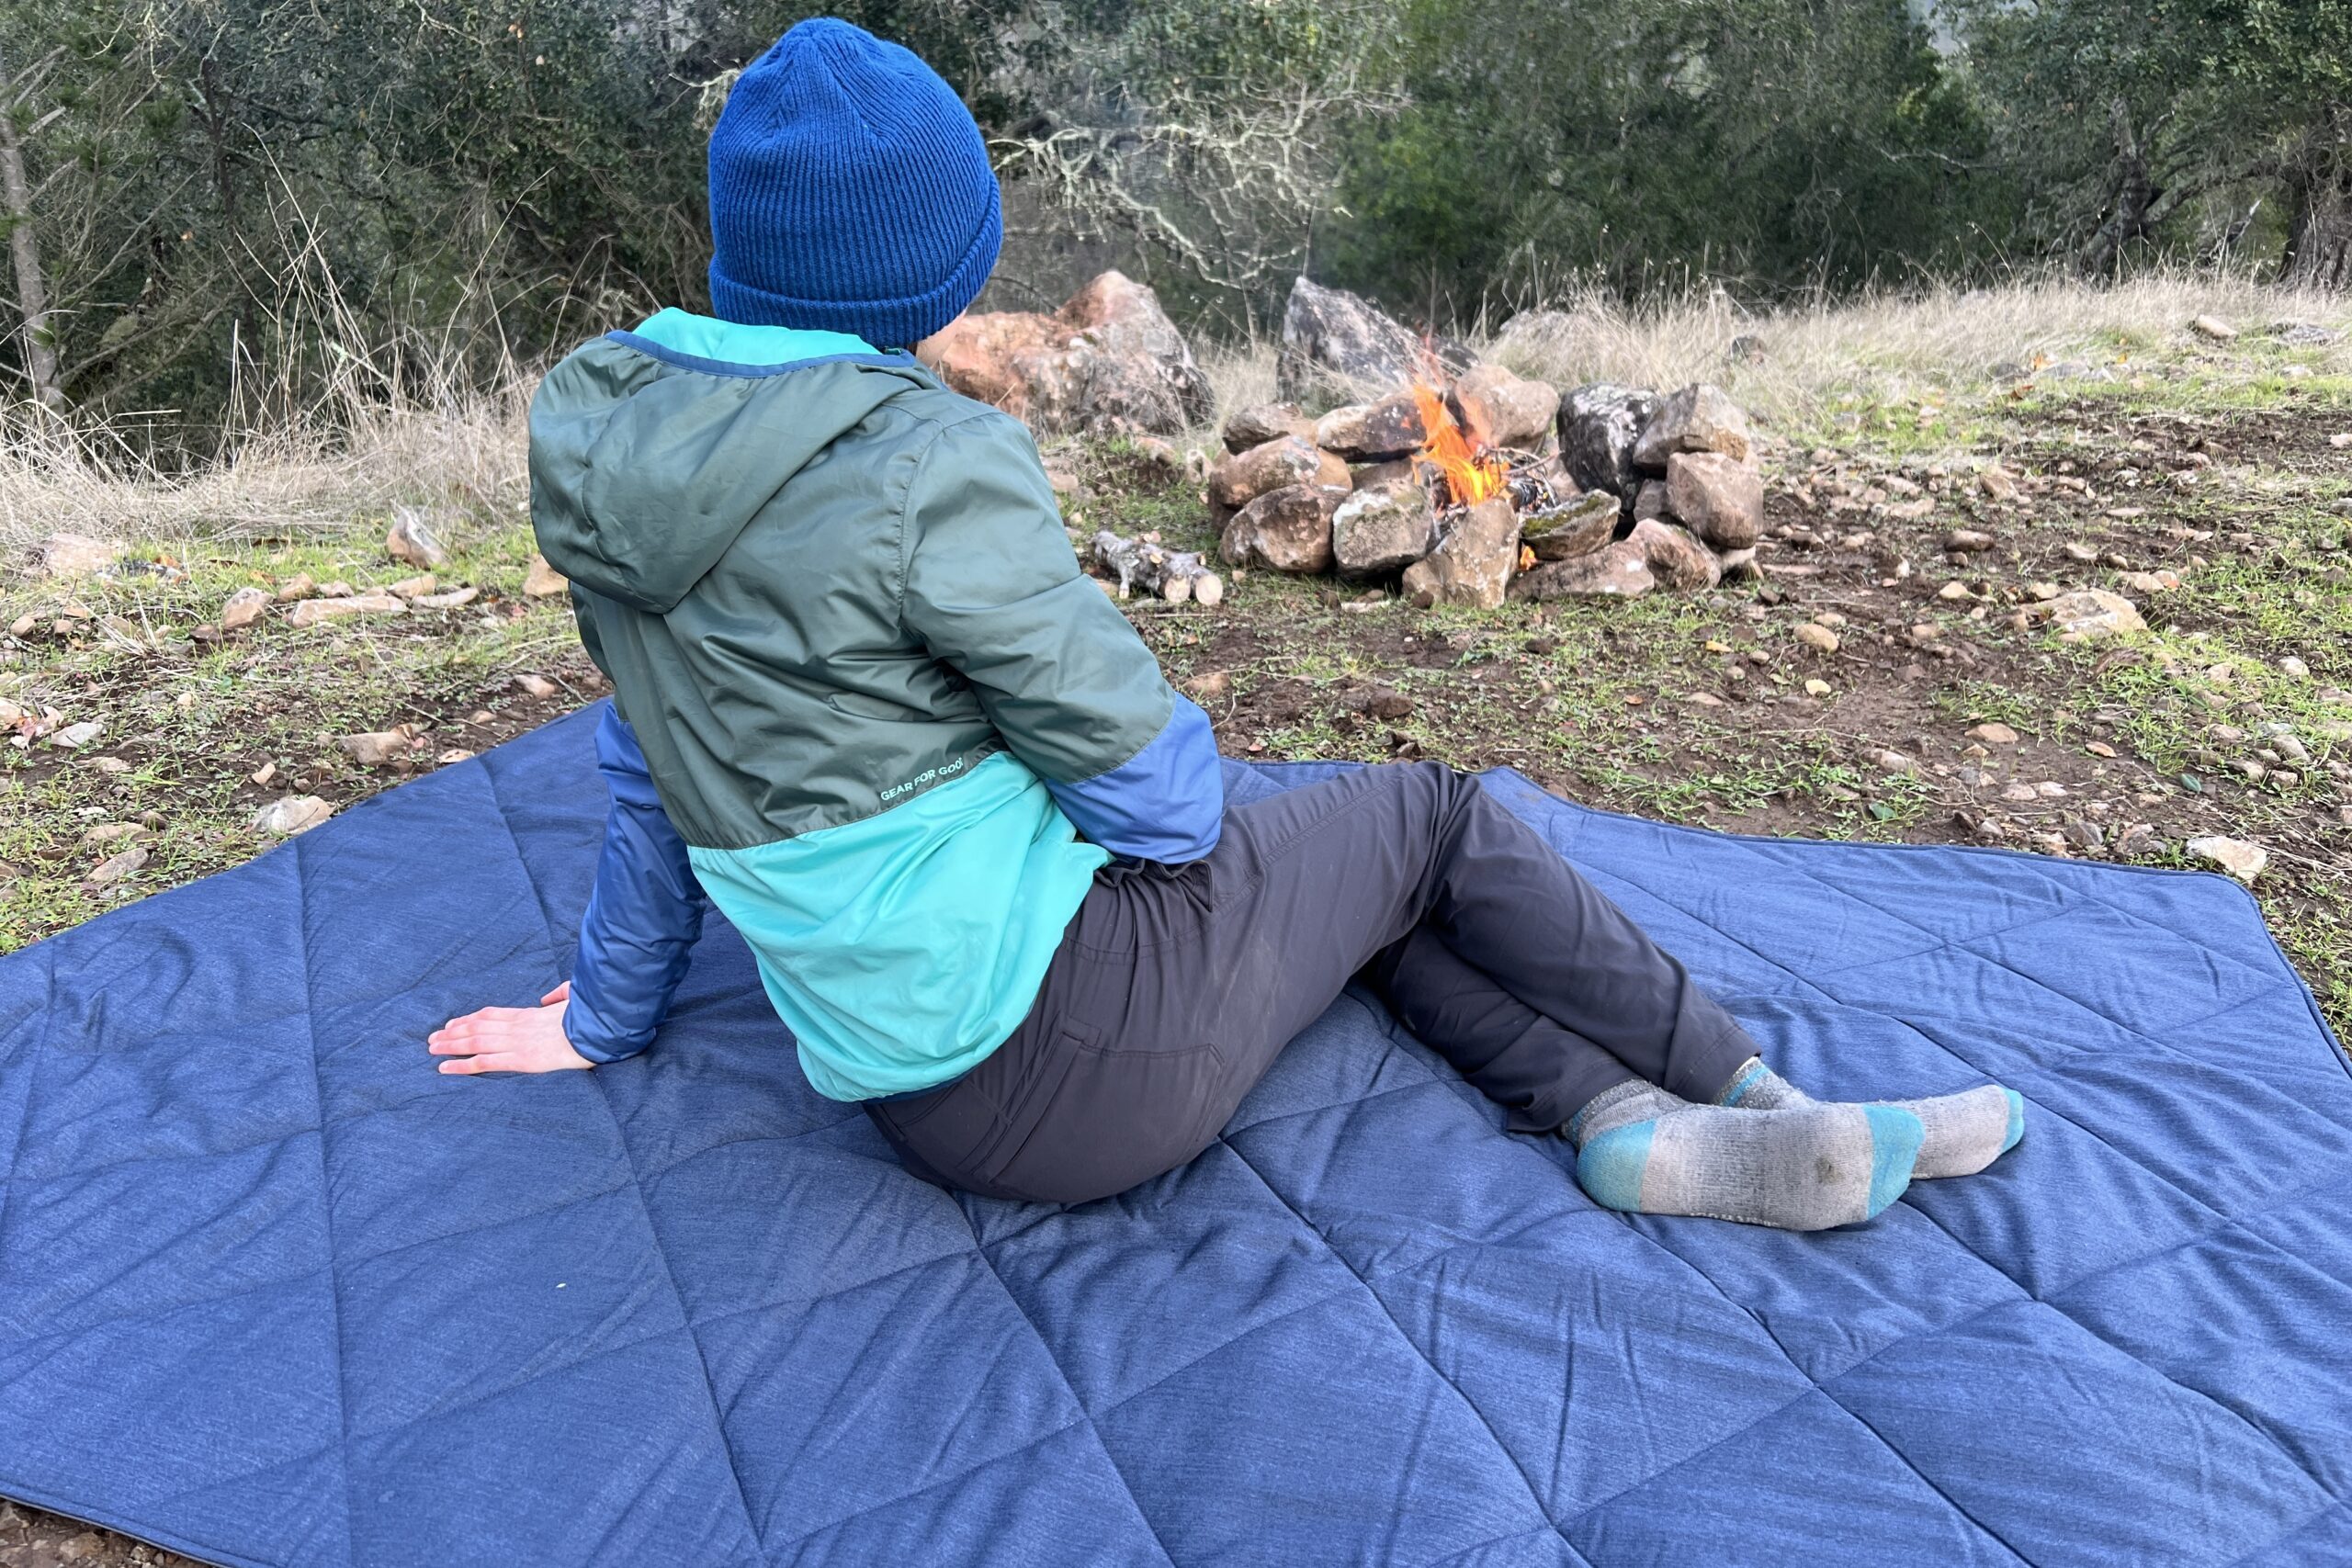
{"type": "Point", "coordinates": [272, 1291]}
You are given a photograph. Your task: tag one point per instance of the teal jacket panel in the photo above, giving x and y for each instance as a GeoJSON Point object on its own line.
{"type": "Point", "coordinates": [903, 948]}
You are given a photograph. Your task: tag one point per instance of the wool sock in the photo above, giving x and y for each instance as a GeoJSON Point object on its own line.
{"type": "Point", "coordinates": [1965, 1132]}
{"type": "Point", "coordinates": [1803, 1168]}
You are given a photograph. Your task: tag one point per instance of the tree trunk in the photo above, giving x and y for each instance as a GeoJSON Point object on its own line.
{"type": "Point", "coordinates": [24, 250]}
{"type": "Point", "coordinates": [2319, 246]}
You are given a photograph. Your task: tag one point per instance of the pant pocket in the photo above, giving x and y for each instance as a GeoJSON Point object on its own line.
{"type": "Point", "coordinates": [1118, 1118]}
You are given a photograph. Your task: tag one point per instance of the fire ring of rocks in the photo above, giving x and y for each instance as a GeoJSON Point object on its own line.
{"type": "Point", "coordinates": [1496, 486]}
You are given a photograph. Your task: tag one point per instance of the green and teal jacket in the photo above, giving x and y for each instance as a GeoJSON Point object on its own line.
{"type": "Point", "coordinates": [864, 701]}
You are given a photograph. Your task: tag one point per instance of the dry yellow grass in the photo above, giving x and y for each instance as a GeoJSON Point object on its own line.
{"type": "Point", "coordinates": [1888, 345]}
{"type": "Point", "coordinates": [349, 456]}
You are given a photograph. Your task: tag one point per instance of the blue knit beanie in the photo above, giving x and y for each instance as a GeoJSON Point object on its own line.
{"type": "Point", "coordinates": [850, 191]}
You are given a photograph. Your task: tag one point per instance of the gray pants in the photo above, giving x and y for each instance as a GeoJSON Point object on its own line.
{"type": "Point", "coordinates": [1175, 987]}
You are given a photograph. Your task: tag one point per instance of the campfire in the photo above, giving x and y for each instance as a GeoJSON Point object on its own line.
{"type": "Point", "coordinates": [1487, 486]}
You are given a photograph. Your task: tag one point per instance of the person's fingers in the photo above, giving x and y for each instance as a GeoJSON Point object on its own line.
{"type": "Point", "coordinates": [489, 1062]}
{"type": "Point", "coordinates": [561, 993]}
{"type": "Point", "coordinates": [475, 1037]}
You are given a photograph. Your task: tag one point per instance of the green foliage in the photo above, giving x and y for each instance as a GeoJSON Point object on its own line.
{"type": "Point", "coordinates": [1781, 141]}
{"type": "Point", "coordinates": [242, 207]}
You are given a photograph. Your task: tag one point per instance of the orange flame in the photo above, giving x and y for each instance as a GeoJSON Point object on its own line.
{"type": "Point", "coordinates": [1471, 474]}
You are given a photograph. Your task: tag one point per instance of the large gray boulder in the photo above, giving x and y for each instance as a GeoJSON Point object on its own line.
{"type": "Point", "coordinates": [1339, 344]}
{"type": "Point", "coordinates": [1600, 427]}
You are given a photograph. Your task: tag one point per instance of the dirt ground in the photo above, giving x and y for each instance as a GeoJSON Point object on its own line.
{"type": "Point", "coordinates": [1939, 717]}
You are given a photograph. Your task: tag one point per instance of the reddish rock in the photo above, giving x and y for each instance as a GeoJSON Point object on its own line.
{"type": "Point", "coordinates": [1620, 570]}
{"type": "Point", "coordinates": [1720, 499]}
{"type": "Point", "coordinates": [1376, 530]}
{"type": "Point", "coordinates": [1241, 477]}
{"type": "Point", "coordinates": [1284, 530]}
{"type": "Point", "coordinates": [1110, 360]}
{"type": "Point", "coordinates": [1504, 410]}
{"type": "Point", "coordinates": [245, 606]}
{"type": "Point", "coordinates": [1675, 557]}
{"type": "Point", "coordinates": [1473, 564]}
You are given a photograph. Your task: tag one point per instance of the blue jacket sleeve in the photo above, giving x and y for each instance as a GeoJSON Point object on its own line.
{"type": "Point", "coordinates": [643, 914]}
{"type": "Point", "coordinates": [1166, 802]}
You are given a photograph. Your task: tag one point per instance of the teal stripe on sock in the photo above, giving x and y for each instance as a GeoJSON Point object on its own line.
{"type": "Point", "coordinates": [2017, 1121]}
{"type": "Point", "coordinates": [1610, 1167]}
{"type": "Point", "coordinates": [1895, 1136]}
{"type": "Point", "coordinates": [1749, 1076]}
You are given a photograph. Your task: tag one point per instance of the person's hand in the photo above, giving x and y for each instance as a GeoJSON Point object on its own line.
{"type": "Point", "coordinates": [509, 1040]}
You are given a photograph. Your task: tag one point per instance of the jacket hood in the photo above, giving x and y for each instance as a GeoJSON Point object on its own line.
{"type": "Point", "coordinates": [644, 471]}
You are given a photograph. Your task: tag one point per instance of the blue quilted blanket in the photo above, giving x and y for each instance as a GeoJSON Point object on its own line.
{"type": "Point", "coordinates": [273, 1292]}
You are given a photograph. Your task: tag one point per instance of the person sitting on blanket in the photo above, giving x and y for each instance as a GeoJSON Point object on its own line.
{"type": "Point", "coordinates": [866, 704]}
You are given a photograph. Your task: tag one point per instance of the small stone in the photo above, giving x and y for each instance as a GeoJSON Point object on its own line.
{"type": "Point", "coordinates": [242, 608]}
{"type": "Point", "coordinates": [301, 585]}
{"type": "Point", "coordinates": [1995, 733]}
{"type": "Point", "coordinates": [1820, 638]}
{"type": "Point", "coordinates": [377, 747]}
{"type": "Point", "coordinates": [1372, 433]}
{"type": "Point", "coordinates": [1387, 703]}
{"type": "Point", "coordinates": [2042, 591]}
{"type": "Point", "coordinates": [2100, 748]}
{"type": "Point", "coordinates": [2019, 793]}
{"type": "Point", "coordinates": [2050, 789]}
{"type": "Point", "coordinates": [1719, 498]}
{"type": "Point", "coordinates": [1954, 590]}
{"type": "Point", "coordinates": [74, 737]}
{"type": "Point", "coordinates": [1969, 540]}
{"type": "Point", "coordinates": [542, 581]}
{"type": "Point", "coordinates": [2215, 328]}
{"type": "Point", "coordinates": [110, 765]}
{"type": "Point", "coordinates": [290, 815]}
{"type": "Point", "coordinates": [315, 612]}
{"type": "Point", "coordinates": [2077, 552]}
{"type": "Point", "coordinates": [1242, 476]}
{"type": "Point", "coordinates": [412, 539]}
{"type": "Point", "coordinates": [1619, 570]}
{"type": "Point", "coordinates": [1577, 528]}
{"type": "Point", "coordinates": [1376, 530]}
{"type": "Point", "coordinates": [1257, 426]}
{"type": "Point", "coordinates": [2240, 858]}
{"type": "Point", "coordinates": [1998, 483]}
{"type": "Point", "coordinates": [535, 685]}
{"type": "Point", "coordinates": [1817, 687]}
{"type": "Point", "coordinates": [2089, 613]}
{"type": "Point", "coordinates": [454, 754]}
{"type": "Point", "coordinates": [1893, 762]}
{"type": "Point", "coordinates": [1698, 418]}
{"type": "Point", "coordinates": [1285, 530]}
{"type": "Point", "coordinates": [263, 774]}
{"type": "Point", "coordinates": [1505, 410]}
{"type": "Point", "coordinates": [69, 556]}
{"type": "Point", "coordinates": [2294, 667]}
{"type": "Point", "coordinates": [413, 587]}
{"type": "Point", "coordinates": [115, 868]}
{"type": "Point", "coordinates": [1473, 565]}
{"type": "Point", "coordinates": [2151, 582]}
{"type": "Point", "coordinates": [1209, 686]}
{"type": "Point", "coordinates": [1676, 558]}
{"type": "Point", "coordinates": [2084, 835]}
{"type": "Point", "coordinates": [449, 600]}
